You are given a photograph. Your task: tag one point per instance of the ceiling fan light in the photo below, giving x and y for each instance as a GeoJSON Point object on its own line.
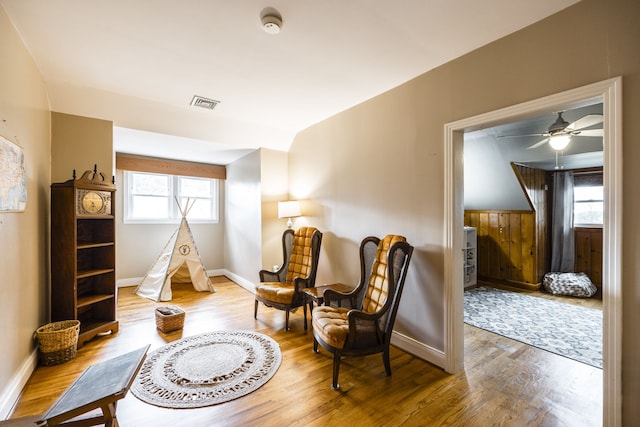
{"type": "Point", "coordinates": [559, 142]}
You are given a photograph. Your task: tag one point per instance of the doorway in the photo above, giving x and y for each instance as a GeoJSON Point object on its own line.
{"type": "Point", "coordinates": [609, 92]}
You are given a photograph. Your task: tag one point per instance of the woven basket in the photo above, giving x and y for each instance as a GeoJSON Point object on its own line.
{"type": "Point", "coordinates": [58, 341]}
{"type": "Point", "coordinates": [169, 318]}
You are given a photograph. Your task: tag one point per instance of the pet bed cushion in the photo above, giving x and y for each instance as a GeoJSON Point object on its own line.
{"type": "Point", "coordinates": [572, 284]}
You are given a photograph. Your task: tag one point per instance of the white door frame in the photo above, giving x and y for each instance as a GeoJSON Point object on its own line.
{"type": "Point", "coordinates": [609, 92]}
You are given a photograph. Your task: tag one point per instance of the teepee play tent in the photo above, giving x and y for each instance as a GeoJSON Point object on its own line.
{"type": "Point", "coordinates": [179, 253]}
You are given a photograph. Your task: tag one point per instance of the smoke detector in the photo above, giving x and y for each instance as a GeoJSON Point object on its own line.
{"type": "Point", "coordinates": [271, 23]}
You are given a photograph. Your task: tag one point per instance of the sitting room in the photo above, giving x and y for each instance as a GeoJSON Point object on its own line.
{"type": "Point", "coordinates": [307, 163]}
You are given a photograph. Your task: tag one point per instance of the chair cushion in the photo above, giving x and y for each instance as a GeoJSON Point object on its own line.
{"type": "Point", "coordinates": [331, 325]}
{"type": "Point", "coordinates": [300, 259]}
{"type": "Point", "coordinates": [275, 291]}
{"type": "Point", "coordinates": [378, 288]}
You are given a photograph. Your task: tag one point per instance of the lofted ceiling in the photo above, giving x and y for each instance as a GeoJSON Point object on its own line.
{"type": "Point", "coordinates": [139, 63]}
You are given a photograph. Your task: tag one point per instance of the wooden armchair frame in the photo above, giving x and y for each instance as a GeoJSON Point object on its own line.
{"type": "Point", "coordinates": [368, 333]}
{"type": "Point", "coordinates": [281, 275]}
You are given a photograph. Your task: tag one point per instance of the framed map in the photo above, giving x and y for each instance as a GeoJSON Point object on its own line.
{"type": "Point", "coordinates": [13, 181]}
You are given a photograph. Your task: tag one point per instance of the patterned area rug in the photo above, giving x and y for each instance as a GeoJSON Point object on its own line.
{"type": "Point", "coordinates": [207, 369]}
{"type": "Point", "coordinates": [568, 330]}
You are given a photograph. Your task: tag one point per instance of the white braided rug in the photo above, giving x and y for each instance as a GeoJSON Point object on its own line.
{"type": "Point", "coordinates": [207, 369]}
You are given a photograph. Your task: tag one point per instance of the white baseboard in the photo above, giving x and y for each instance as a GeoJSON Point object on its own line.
{"type": "Point", "coordinates": [123, 283]}
{"type": "Point", "coordinates": [418, 349]}
{"type": "Point", "coordinates": [135, 281]}
{"type": "Point", "coordinates": [11, 394]}
{"type": "Point", "coordinates": [247, 284]}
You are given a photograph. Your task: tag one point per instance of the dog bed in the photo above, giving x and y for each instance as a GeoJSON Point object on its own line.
{"type": "Point", "coordinates": [572, 284]}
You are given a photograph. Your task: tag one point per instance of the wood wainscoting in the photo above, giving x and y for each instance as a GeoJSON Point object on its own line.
{"type": "Point", "coordinates": [507, 247]}
{"type": "Point", "coordinates": [588, 241]}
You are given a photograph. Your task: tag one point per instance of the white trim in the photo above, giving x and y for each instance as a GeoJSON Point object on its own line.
{"type": "Point", "coordinates": [124, 283]}
{"type": "Point", "coordinates": [418, 349]}
{"type": "Point", "coordinates": [175, 195]}
{"type": "Point", "coordinates": [135, 281]}
{"type": "Point", "coordinates": [612, 256]}
{"type": "Point", "coordinates": [610, 93]}
{"type": "Point", "coordinates": [247, 284]}
{"type": "Point", "coordinates": [12, 392]}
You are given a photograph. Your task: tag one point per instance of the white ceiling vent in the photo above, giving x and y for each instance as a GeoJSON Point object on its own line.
{"type": "Point", "coordinates": [199, 101]}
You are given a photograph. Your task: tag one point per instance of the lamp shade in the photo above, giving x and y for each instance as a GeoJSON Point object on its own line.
{"type": "Point", "coordinates": [289, 209]}
{"type": "Point", "coordinates": [559, 142]}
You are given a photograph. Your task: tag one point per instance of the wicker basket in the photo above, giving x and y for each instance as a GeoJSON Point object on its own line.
{"type": "Point", "coordinates": [169, 318]}
{"type": "Point", "coordinates": [58, 341]}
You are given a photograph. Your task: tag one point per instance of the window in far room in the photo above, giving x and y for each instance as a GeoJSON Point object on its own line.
{"type": "Point", "coordinates": [151, 198]}
{"type": "Point", "coordinates": [588, 195]}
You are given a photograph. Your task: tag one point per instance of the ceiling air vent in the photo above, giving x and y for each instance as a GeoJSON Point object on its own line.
{"type": "Point", "coordinates": [199, 101]}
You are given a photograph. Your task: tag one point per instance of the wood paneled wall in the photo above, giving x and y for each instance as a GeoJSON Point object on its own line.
{"type": "Point", "coordinates": [507, 250]}
{"type": "Point", "coordinates": [588, 243]}
{"type": "Point", "coordinates": [535, 184]}
{"type": "Point", "coordinates": [513, 245]}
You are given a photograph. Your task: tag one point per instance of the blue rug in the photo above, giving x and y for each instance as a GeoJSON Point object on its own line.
{"type": "Point", "coordinates": [568, 330]}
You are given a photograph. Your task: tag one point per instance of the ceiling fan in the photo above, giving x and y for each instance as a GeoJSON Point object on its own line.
{"type": "Point", "coordinates": [560, 132]}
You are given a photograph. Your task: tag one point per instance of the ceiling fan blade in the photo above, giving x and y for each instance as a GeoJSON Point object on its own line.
{"type": "Point", "coordinates": [590, 132]}
{"type": "Point", "coordinates": [520, 136]}
{"type": "Point", "coordinates": [538, 144]}
{"type": "Point", "coordinates": [586, 121]}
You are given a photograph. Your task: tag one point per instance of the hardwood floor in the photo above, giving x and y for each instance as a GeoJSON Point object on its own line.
{"type": "Point", "coordinates": [505, 383]}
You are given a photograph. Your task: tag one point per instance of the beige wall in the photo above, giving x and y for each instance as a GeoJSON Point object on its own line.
{"type": "Point", "coordinates": [243, 213]}
{"type": "Point", "coordinates": [274, 187]}
{"type": "Point", "coordinates": [25, 119]}
{"type": "Point", "coordinates": [80, 143]}
{"type": "Point", "coordinates": [383, 161]}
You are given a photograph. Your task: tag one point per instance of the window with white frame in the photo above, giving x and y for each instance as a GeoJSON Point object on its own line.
{"type": "Point", "coordinates": [588, 200]}
{"type": "Point", "coordinates": [151, 198]}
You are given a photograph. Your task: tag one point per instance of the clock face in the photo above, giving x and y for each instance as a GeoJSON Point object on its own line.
{"type": "Point", "coordinates": [94, 202]}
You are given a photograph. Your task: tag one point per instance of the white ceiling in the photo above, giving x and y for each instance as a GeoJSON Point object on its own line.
{"type": "Point", "coordinates": [140, 62]}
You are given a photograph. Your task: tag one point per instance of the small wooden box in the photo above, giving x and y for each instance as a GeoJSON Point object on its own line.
{"type": "Point", "coordinates": [169, 318]}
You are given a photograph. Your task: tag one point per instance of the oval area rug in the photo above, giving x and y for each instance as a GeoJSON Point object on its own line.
{"type": "Point", "coordinates": [207, 369]}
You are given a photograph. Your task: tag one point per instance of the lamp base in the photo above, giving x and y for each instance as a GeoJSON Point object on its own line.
{"type": "Point", "coordinates": [289, 223]}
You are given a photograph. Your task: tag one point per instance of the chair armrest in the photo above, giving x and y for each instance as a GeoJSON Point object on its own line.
{"type": "Point", "coordinates": [355, 315]}
{"type": "Point", "coordinates": [299, 283]}
{"type": "Point", "coordinates": [359, 322]}
{"type": "Point", "coordinates": [332, 295]}
{"type": "Point", "coordinates": [269, 276]}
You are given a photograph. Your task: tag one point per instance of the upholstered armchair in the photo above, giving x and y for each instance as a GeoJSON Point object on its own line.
{"type": "Point", "coordinates": [282, 289]}
{"type": "Point", "coordinates": [366, 327]}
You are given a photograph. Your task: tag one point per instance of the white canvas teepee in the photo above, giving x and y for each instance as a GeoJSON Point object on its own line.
{"type": "Point", "coordinates": [179, 251]}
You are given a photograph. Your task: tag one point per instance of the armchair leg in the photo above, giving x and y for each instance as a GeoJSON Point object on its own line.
{"type": "Point", "coordinates": [255, 310]}
{"type": "Point", "coordinates": [336, 370]}
{"type": "Point", "coordinates": [304, 310]}
{"type": "Point", "coordinates": [386, 361]}
{"type": "Point", "coordinates": [286, 320]}
{"type": "Point", "coordinates": [315, 345]}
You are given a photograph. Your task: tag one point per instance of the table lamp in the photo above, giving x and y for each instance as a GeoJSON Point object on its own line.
{"type": "Point", "coordinates": [289, 209]}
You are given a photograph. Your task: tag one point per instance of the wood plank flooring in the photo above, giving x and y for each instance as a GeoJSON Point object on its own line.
{"type": "Point", "coordinates": [505, 383]}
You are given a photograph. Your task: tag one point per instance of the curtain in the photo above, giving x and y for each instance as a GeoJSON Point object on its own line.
{"type": "Point", "coordinates": [562, 238]}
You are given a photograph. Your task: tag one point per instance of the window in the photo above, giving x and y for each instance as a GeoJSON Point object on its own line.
{"type": "Point", "coordinates": [151, 198]}
{"type": "Point", "coordinates": [588, 200]}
